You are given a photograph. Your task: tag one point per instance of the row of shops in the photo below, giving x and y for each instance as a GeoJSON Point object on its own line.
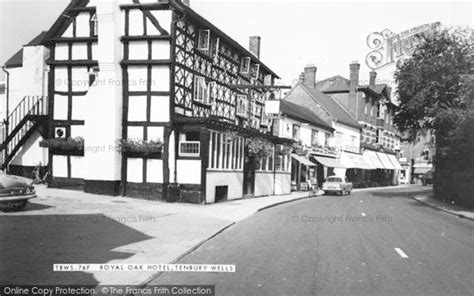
{"type": "Point", "coordinates": [369, 169]}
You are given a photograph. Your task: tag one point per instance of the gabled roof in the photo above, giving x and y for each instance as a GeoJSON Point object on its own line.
{"type": "Point", "coordinates": [17, 59]}
{"type": "Point", "coordinates": [332, 107]}
{"type": "Point", "coordinates": [63, 21]}
{"type": "Point", "coordinates": [205, 23]}
{"type": "Point", "coordinates": [302, 114]}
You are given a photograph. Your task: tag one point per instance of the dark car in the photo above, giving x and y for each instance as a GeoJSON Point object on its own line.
{"type": "Point", "coordinates": [427, 178]}
{"type": "Point", "coordinates": [15, 192]}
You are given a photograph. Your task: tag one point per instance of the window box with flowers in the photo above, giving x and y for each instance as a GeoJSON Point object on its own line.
{"type": "Point", "coordinates": [141, 148]}
{"type": "Point", "coordinates": [67, 146]}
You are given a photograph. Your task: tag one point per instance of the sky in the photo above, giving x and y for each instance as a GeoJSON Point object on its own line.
{"type": "Point", "coordinates": [329, 35]}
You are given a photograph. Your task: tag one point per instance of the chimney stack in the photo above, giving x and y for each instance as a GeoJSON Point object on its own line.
{"type": "Point", "coordinates": [310, 76]}
{"type": "Point", "coordinates": [353, 105]}
{"type": "Point", "coordinates": [354, 75]}
{"type": "Point", "coordinates": [372, 78]}
{"type": "Point", "coordinates": [301, 78]}
{"type": "Point", "coordinates": [254, 45]}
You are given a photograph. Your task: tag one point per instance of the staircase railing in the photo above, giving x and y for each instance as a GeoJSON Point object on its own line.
{"type": "Point", "coordinates": [19, 125]}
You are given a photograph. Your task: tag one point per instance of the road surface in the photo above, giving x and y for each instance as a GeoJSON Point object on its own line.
{"type": "Point", "coordinates": [378, 242]}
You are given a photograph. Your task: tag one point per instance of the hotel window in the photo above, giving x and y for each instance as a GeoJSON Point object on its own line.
{"type": "Point", "coordinates": [201, 90]}
{"type": "Point", "coordinates": [327, 136]}
{"type": "Point", "coordinates": [314, 137]}
{"type": "Point", "coordinates": [255, 69]}
{"type": "Point", "coordinates": [353, 143]}
{"type": "Point", "coordinates": [225, 152]}
{"type": "Point", "coordinates": [366, 108]}
{"type": "Point", "coordinates": [189, 144]}
{"type": "Point", "coordinates": [296, 133]}
{"type": "Point", "coordinates": [204, 37]}
{"type": "Point", "coordinates": [241, 106]}
{"type": "Point", "coordinates": [245, 65]}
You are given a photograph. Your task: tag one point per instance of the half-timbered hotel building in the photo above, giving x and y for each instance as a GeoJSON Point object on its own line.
{"type": "Point", "coordinates": [148, 98]}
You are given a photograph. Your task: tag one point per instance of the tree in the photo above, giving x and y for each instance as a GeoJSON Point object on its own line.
{"type": "Point", "coordinates": [436, 92]}
{"type": "Point", "coordinates": [431, 84]}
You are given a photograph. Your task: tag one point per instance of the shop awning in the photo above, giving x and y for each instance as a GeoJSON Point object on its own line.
{"type": "Point", "coordinates": [303, 160]}
{"type": "Point", "coordinates": [328, 162]}
{"type": "Point", "coordinates": [385, 161]}
{"type": "Point", "coordinates": [356, 161]}
{"type": "Point", "coordinates": [372, 158]}
{"type": "Point", "coordinates": [421, 168]}
{"type": "Point", "coordinates": [395, 162]}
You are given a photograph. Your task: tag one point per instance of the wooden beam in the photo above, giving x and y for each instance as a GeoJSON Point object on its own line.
{"type": "Point", "coordinates": [147, 37]}
{"type": "Point", "coordinates": [145, 62]}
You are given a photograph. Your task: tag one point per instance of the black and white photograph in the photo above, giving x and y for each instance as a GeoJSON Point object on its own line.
{"type": "Point", "coordinates": [213, 147]}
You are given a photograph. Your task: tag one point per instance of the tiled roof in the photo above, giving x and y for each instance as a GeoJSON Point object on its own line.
{"type": "Point", "coordinates": [332, 107]}
{"type": "Point", "coordinates": [340, 84]}
{"type": "Point", "coordinates": [333, 84]}
{"type": "Point", "coordinates": [17, 59]}
{"type": "Point", "coordinates": [298, 112]}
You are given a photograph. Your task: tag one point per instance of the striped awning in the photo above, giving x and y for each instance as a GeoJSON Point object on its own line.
{"type": "Point", "coordinates": [328, 162]}
{"type": "Point", "coordinates": [356, 161]}
{"type": "Point", "coordinates": [395, 162]}
{"type": "Point", "coordinates": [385, 161]}
{"type": "Point", "coordinates": [303, 160]}
{"type": "Point", "coordinates": [373, 159]}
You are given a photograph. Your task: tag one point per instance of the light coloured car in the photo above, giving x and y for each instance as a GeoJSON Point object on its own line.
{"type": "Point", "coordinates": [15, 192]}
{"type": "Point", "coordinates": [337, 184]}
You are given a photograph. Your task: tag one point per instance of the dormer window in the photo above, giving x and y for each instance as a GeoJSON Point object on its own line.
{"type": "Point", "coordinates": [255, 71]}
{"type": "Point", "coordinates": [94, 25]}
{"type": "Point", "coordinates": [245, 65]}
{"type": "Point", "coordinates": [204, 37]}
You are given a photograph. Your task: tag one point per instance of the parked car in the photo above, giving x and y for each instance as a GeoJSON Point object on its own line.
{"type": "Point", "coordinates": [15, 192]}
{"type": "Point", "coordinates": [427, 178]}
{"type": "Point", "coordinates": [336, 184]}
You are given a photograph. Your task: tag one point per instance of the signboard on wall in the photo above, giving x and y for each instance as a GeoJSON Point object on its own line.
{"type": "Point", "coordinates": [272, 108]}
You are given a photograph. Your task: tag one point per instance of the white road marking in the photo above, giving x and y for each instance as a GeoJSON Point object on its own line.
{"type": "Point", "coordinates": [363, 214]}
{"type": "Point", "coordinates": [401, 253]}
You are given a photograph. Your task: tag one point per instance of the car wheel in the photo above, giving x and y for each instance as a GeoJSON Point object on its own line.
{"type": "Point", "coordinates": [13, 206]}
{"type": "Point", "coordinates": [20, 205]}
{"type": "Point", "coordinates": [349, 192]}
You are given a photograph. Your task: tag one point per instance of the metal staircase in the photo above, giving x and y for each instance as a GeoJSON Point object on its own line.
{"type": "Point", "coordinates": [29, 115]}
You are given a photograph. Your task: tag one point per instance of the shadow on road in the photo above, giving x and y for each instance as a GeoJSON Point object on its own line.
{"type": "Point", "coordinates": [31, 244]}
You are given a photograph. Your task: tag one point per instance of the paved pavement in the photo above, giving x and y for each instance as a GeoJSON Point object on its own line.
{"type": "Point", "coordinates": [373, 242]}
{"type": "Point", "coordinates": [451, 208]}
{"type": "Point", "coordinates": [63, 226]}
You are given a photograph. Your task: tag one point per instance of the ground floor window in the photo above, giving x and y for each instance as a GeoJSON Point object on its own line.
{"type": "Point", "coordinates": [226, 151]}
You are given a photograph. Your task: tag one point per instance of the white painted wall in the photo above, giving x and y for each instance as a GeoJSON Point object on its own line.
{"type": "Point", "coordinates": [59, 166]}
{"type": "Point", "coordinates": [154, 173]}
{"type": "Point", "coordinates": [233, 179]}
{"type": "Point", "coordinates": [348, 132]}
{"type": "Point", "coordinates": [285, 130]}
{"type": "Point", "coordinates": [282, 183]}
{"type": "Point", "coordinates": [105, 127]}
{"type": "Point", "coordinates": [188, 171]}
{"type": "Point", "coordinates": [31, 154]}
{"type": "Point", "coordinates": [264, 183]}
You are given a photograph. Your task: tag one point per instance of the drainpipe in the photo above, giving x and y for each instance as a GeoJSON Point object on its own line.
{"type": "Point", "coordinates": [7, 111]}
